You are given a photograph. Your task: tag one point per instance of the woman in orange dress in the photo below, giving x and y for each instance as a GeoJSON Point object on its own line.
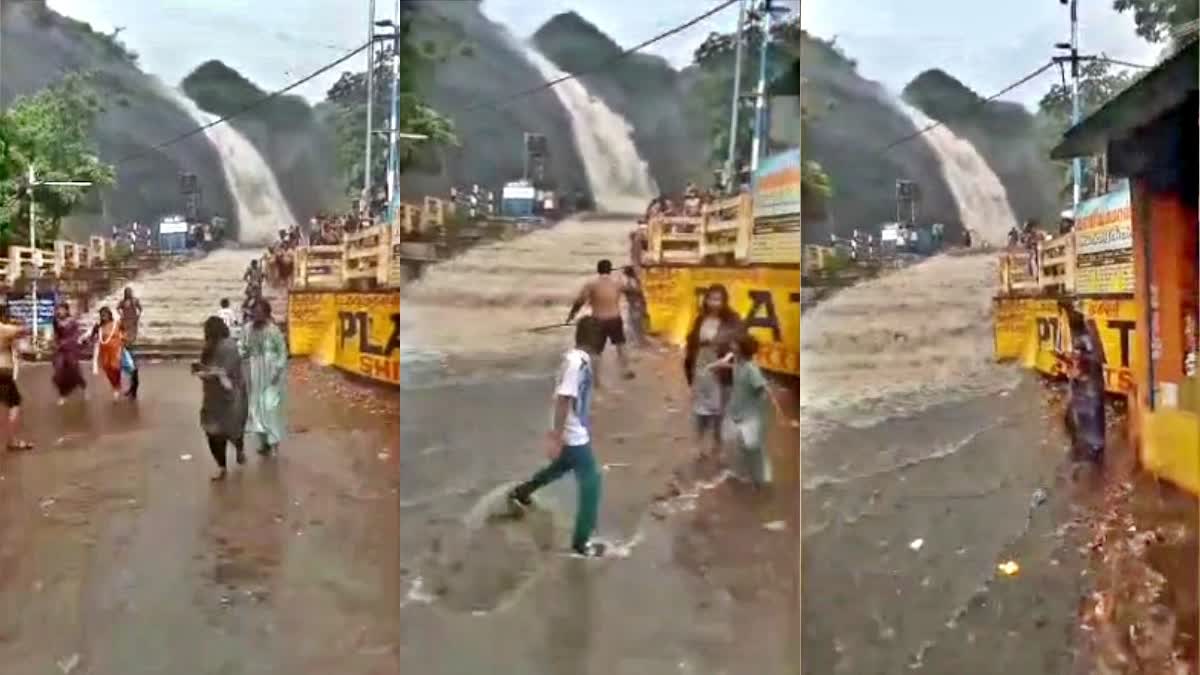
{"type": "Point", "coordinates": [109, 349]}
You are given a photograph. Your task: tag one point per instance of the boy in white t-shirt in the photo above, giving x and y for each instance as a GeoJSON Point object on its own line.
{"type": "Point", "coordinates": [568, 443]}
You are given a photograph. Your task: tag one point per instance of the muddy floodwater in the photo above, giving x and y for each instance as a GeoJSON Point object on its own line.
{"type": "Point", "coordinates": [704, 575]}
{"type": "Point", "coordinates": [119, 556]}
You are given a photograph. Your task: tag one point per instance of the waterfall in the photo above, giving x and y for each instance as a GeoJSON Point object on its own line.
{"type": "Point", "coordinates": [618, 177]}
{"type": "Point", "coordinates": [982, 201]}
{"type": "Point", "coordinates": [914, 338]}
{"type": "Point", "coordinates": [262, 209]}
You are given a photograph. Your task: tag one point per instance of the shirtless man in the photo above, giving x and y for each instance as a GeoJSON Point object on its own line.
{"type": "Point", "coordinates": [603, 296]}
{"type": "Point", "coordinates": [10, 396]}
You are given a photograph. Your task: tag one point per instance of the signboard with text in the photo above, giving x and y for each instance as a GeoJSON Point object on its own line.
{"type": "Point", "coordinates": [776, 188]}
{"type": "Point", "coordinates": [1104, 244]}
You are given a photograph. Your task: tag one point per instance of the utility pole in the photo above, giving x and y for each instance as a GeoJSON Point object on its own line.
{"type": "Point", "coordinates": [737, 98]}
{"type": "Point", "coordinates": [370, 105]}
{"type": "Point", "coordinates": [393, 141]}
{"type": "Point", "coordinates": [1073, 46]}
{"type": "Point", "coordinates": [760, 97]}
{"type": "Point", "coordinates": [36, 254]}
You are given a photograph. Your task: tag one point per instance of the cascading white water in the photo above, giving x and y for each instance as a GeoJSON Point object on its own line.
{"type": "Point", "coordinates": [618, 177]}
{"type": "Point", "coordinates": [262, 209]}
{"type": "Point", "coordinates": [917, 337]}
{"type": "Point", "coordinates": [981, 197]}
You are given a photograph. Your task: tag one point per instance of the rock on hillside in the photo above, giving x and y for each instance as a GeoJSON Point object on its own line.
{"type": "Point", "coordinates": [489, 68]}
{"type": "Point", "coordinates": [38, 47]}
{"type": "Point", "coordinates": [1004, 133]}
{"type": "Point", "coordinates": [284, 129]}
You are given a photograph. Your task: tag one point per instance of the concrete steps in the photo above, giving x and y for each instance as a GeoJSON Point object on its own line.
{"type": "Point", "coordinates": [177, 301]}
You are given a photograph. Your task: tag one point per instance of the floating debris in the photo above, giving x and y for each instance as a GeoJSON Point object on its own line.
{"type": "Point", "coordinates": [775, 525]}
{"type": "Point", "coordinates": [1008, 568]}
{"type": "Point", "coordinates": [916, 544]}
{"type": "Point", "coordinates": [186, 458]}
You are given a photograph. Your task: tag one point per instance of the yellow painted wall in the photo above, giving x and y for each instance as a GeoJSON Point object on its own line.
{"type": "Point", "coordinates": [1029, 330]}
{"type": "Point", "coordinates": [358, 333]}
{"type": "Point", "coordinates": [767, 298]}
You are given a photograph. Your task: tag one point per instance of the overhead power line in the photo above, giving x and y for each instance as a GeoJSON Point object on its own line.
{"type": "Point", "coordinates": [978, 106]}
{"type": "Point", "coordinates": [264, 99]}
{"type": "Point", "coordinates": [601, 65]}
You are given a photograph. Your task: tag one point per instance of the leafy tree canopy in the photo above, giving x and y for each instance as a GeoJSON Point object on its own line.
{"type": "Point", "coordinates": [349, 111]}
{"type": "Point", "coordinates": [1099, 82]}
{"type": "Point", "coordinates": [52, 130]}
{"type": "Point", "coordinates": [1155, 18]}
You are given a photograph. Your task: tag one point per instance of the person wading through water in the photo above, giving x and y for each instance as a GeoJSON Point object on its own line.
{"type": "Point", "coordinates": [109, 354]}
{"type": "Point", "coordinates": [602, 295]}
{"type": "Point", "coordinates": [224, 409]}
{"type": "Point", "coordinates": [10, 395]}
{"type": "Point", "coordinates": [709, 340]}
{"type": "Point", "coordinates": [130, 311]}
{"type": "Point", "coordinates": [635, 306]}
{"type": "Point", "coordinates": [569, 441]}
{"type": "Point", "coordinates": [1085, 415]}
{"type": "Point", "coordinates": [265, 351]}
{"type": "Point", "coordinates": [68, 352]}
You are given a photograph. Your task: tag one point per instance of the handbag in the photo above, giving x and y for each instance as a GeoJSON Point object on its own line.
{"type": "Point", "coordinates": [127, 365]}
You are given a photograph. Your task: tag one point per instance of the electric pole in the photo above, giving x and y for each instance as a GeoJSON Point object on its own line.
{"type": "Point", "coordinates": [1073, 46]}
{"type": "Point", "coordinates": [393, 126]}
{"type": "Point", "coordinates": [737, 96]}
{"type": "Point", "coordinates": [35, 254]}
{"type": "Point", "coordinates": [760, 96]}
{"type": "Point", "coordinates": [366, 198]}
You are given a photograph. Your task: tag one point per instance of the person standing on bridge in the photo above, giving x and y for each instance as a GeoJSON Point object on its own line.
{"type": "Point", "coordinates": [266, 354]}
{"type": "Point", "coordinates": [708, 341]}
{"type": "Point", "coordinates": [602, 295]}
{"type": "Point", "coordinates": [68, 351]}
{"type": "Point", "coordinates": [130, 310]}
{"type": "Point", "coordinates": [569, 441]}
{"type": "Point", "coordinates": [223, 410]}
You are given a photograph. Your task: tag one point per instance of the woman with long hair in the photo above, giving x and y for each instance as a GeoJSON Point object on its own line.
{"type": "Point", "coordinates": [709, 340]}
{"type": "Point", "coordinates": [68, 352]}
{"type": "Point", "coordinates": [109, 354]}
{"type": "Point", "coordinates": [266, 356]}
{"type": "Point", "coordinates": [1084, 364]}
{"type": "Point", "coordinates": [223, 410]}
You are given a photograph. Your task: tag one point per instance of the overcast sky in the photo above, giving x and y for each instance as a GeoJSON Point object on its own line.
{"type": "Point", "coordinates": [987, 45]}
{"type": "Point", "coordinates": [275, 42]}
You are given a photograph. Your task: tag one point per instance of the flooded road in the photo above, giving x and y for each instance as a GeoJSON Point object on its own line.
{"type": "Point", "coordinates": [926, 465]}
{"type": "Point", "coordinates": [703, 586]}
{"type": "Point", "coordinates": [119, 557]}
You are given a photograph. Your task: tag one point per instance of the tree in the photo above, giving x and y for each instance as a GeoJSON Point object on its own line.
{"type": "Point", "coordinates": [1155, 18]}
{"type": "Point", "coordinates": [349, 115]}
{"type": "Point", "coordinates": [1099, 83]}
{"type": "Point", "coordinates": [716, 58]}
{"type": "Point", "coordinates": [52, 130]}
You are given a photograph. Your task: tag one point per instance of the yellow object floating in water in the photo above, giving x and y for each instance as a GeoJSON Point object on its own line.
{"type": "Point", "coordinates": [1008, 568]}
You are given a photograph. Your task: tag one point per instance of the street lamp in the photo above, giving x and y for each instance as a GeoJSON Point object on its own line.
{"type": "Point", "coordinates": [34, 182]}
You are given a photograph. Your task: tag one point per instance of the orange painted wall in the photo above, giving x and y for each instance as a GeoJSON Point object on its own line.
{"type": "Point", "coordinates": [1172, 230]}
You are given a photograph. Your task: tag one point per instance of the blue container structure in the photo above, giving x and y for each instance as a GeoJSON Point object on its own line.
{"type": "Point", "coordinates": [172, 235]}
{"type": "Point", "coordinates": [517, 200]}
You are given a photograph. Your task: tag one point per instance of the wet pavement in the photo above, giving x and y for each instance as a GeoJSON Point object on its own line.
{"type": "Point", "coordinates": [708, 579]}
{"type": "Point", "coordinates": [118, 555]}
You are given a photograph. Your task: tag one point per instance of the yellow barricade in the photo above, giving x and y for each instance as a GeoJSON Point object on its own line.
{"type": "Point", "coordinates": [358, 333]}
{"type": "Point", "coordinates": [767, 298]}
{"type": "Point", "coordinates": [1031, 330]}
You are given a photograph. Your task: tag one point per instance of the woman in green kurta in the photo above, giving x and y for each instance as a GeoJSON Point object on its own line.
{"type": "Point", "coordinates": [265, 353]}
